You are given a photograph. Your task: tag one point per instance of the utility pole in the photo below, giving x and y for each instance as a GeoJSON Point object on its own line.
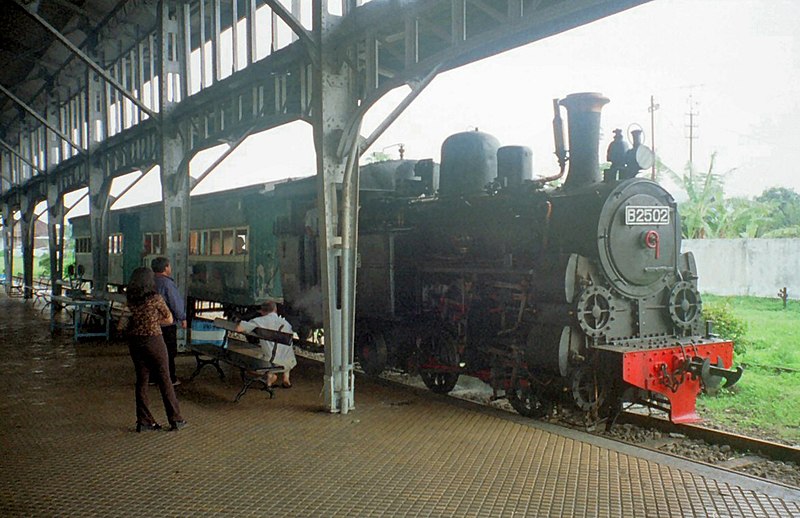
{"type": "Point", "coordinates": [692, 126]}
{"type": "Point", "coordinates": [652, 109]}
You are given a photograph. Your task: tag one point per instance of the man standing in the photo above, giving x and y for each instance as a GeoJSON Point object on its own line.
{"type": "Point", "coordinates": [284, 354]}
{"type": "Point", "coordinates": [167, 288]}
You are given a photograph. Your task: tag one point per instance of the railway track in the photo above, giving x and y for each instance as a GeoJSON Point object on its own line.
{"type": "Point", "coordinates": [768, 460]}
{"type": "Point", "coordinates": [767, 449]}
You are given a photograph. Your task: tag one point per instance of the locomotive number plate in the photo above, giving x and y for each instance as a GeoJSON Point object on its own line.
{"type": "Point", "coordinates": [646, 215]}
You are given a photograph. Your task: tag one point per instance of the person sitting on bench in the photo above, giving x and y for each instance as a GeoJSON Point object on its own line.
{"type": "Point", "coordinates": [284, 354]}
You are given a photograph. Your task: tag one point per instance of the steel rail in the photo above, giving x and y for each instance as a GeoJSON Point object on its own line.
{"type": "Point", "coordinates": [773, 450]}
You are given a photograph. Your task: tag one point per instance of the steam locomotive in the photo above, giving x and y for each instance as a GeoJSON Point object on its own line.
{"type": "Point", "coordinates": [577, 293]}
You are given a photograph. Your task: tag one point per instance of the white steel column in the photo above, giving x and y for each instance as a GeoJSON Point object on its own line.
{"type": "Point", "coordinates": [99, 188]}
{"type": "Point", "coordinates": [174, 157]}
{"type": "Point", "coordinates": [99, 183]}
{"type": "Point", "coordinates": [335, 139]}
{"type": "Point", "coordinates": [55, 198]}
{"type": "Point", "coordinates": [8, 244]}
{"type": "Point", "coordinates": [55, 234]}
{"type": "Point", "coordinates": [27, 221]}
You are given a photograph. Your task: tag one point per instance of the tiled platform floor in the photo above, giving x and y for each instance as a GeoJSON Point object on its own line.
{"type": "Point", "coordinates": [67, 448]}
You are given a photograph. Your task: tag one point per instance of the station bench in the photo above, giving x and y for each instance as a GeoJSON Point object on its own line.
{"type": "Point", "coordinates": [243, 355]}
{"type": "Point", "coordinates": [42, 291]}
{"type": "Point", "coordinates": [17, 287]}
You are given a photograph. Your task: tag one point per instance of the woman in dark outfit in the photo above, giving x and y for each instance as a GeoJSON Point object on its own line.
{"type": "Point", "coordinates": [148, 350]}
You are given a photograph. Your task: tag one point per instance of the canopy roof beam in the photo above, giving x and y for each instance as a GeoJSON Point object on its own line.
{"type": "Point", "coordinates": [41, 119]}
{"type": "Point", "coordinates": [86, 59]}
{"type": "Point", "coordinates": [18, 155]}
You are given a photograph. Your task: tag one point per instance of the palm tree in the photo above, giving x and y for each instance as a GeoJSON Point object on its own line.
{"type": "Point", "coordinates": [704, 212]}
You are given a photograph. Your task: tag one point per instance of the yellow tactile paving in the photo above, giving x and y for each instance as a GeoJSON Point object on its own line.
{"type": "Point", "coordinates": [68, 449]}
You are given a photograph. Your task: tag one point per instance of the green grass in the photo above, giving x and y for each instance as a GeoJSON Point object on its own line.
{"type": "Point", "coordinates": [766, 401]}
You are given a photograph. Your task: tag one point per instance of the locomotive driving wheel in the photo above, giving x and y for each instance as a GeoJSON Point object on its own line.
{"type": "Point", "coordinates": [594, 310]}
{"type": "Point", "coordinates": [372, 353]}
{"type": "Point", "coordinates": [685, 306]}
{"type": "Point", "coordinates": [587, 393]}
{"type": "Point", "coordinates": [529, 399]}
{"type": "Point", "coordinates": [439, 362]}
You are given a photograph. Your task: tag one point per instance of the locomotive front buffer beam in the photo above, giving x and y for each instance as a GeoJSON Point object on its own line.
{"type": "Point", "coordinates": [680, 373]}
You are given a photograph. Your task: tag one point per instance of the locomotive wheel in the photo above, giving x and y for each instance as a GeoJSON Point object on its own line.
{"type": "Point", "coordinates": [587, 393]}
{"type": "Point", "coordinates": [439, 382]}
{"type": "Point", "coordinates": [528, 401]}
{"type": "Point", "coordinates": [372, 352]}
{"type": "Point", "coordinates": [442, 350]}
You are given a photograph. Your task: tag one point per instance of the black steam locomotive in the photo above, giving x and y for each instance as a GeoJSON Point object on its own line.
{"type": "Point", "coordinates": [578, 292]}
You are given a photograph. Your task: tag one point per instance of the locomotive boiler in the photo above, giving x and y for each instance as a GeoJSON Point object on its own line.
{"type": "Point", "coordinates": [577, 293]}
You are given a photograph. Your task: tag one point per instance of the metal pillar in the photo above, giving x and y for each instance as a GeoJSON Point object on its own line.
{"type": "Point", "coordinates": [27, 223]}
{"type": "Point", "coordinates": [99, 184]}
{"type": "Point", "coordinates": [335, 139]}
{"type": "Point", "coordinates": [99, 188]}
{"type": "Point", "coordinates": [175, 191]}
{"type": "Point", "coordinates": [174, 158]}
{"type": "Point", "coordinates": [55, 203]}
{"type": "Point", "coordinates": [55, 234]}
{"type": "Point", "coordinates": [8, 245]}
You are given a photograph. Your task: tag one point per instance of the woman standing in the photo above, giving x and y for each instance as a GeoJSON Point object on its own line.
{"type": "Point", "coordinates": [148, 350]}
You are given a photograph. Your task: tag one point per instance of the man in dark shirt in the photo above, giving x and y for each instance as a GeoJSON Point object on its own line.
{"type": "Point", "coordinates": [169, 290]}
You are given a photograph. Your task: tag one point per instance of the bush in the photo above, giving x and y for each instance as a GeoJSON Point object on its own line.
{"type": "Point", "coordinates": [44, 265]}
{"type": "Point", "coordinates": [726, 324]}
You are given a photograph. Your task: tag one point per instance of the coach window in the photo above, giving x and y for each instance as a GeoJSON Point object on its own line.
{"type": "Point", "coordinates": [216, 242]}
{"type": "Point", "coordinates": [156, 243]}
{"type": "Point", "coordinates": [194, 243]}
{"type": "Point", "coordinates": [204, 245]}
{"type": "Point", "coordinates": [115, 244]}
{"type": "Point", "coordinates": [83, 245]}
{"type": "Point", "coordinates": [227, 242]}
{"type": "Point", "coordinates": [147, 247]}
{"type": "Point", "coordinates": [241, 241]}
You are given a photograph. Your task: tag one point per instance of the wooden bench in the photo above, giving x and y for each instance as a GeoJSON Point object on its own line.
{"type": "Point", "coordinates": [17, 288]}
{"type": "Point", "coordinates": [42, 291]}
{"type": "Point", "coordinates": [247, 357]}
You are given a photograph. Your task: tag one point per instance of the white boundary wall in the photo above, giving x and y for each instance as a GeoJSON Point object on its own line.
{"type": "Point", "coordinates": [756, 267]}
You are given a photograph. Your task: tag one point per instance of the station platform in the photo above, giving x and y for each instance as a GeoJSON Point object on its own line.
{"type": "Point", "coordinates": [69, 448]}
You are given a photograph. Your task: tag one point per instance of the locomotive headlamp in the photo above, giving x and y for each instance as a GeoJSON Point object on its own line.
{"type": "Point", "coordinates": [645, 158]}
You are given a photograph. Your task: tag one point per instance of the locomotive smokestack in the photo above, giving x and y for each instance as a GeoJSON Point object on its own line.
{"type": "Point", "coordinates": [583, 117]}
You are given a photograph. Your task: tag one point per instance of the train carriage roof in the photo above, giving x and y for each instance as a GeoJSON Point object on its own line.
{"type": "Point", "coordinates": [239, 192]}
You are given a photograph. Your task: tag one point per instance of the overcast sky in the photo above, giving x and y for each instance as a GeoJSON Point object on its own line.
{"type": "Point", "coordinates": [737, 60]}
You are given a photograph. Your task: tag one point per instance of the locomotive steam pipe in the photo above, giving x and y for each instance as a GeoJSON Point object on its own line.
{"type": "Point", "coordinates": [583, 112]}
{"type": "Point", "coordinates": [561, 151]}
